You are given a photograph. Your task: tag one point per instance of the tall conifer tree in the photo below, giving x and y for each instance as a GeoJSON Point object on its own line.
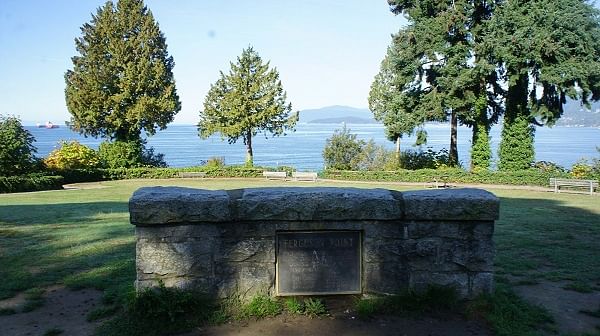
{"type": "Point", "coordinates": [390, 99]}
{"type": "Point", "coordinates": [548, 51]}
{"type": "Point", "coordinates": [451, 76]}
{"type": "Point", "coordinates": [247, 101]}
{"type": "Point", "coordinates": [122, 81]}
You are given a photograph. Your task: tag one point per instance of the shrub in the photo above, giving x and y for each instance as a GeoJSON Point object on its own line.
{"type": "Point", "coordinates": [72, 155]}
{"type": "Point", "coordinates": [341, 149]}
{"type": "Point", "coordinates": [101, 174]}
{"type": "Point", "coordinates": [152, 159]}
{"type": "Point", "coordinates": [596, 166]}
{"type": "Point", "coordinates": [33, 182]}
{"type": "Point", "coordinates": [586, 168]}
{"type": "Point", "coordinates": [133, 154]}
{"type": "Point", "coordinates": [16, 147]}
{"type": "Point", "coordinates": [581, 169]}
{"type": "Point", "coordinates": [452, 175]}
{"type": "Point", "coordinates": [288, 169]}
{"type": "Point", "coordinates": [120, 154]}
{"type": "Point", "coordinates": [375, 157]}
{"type": "Point", "coordinates": [344, 151]}
{"type": "Point", "coordinates": [548, 167]}
{"type": "Point", "coordinates": [82, 175]}
{"type": "Point", "coordinates": [232, 171]}
{"type": "Point", "coordinates": [215, 162]}
{"type": "Point", "coordinates": [420, 159]}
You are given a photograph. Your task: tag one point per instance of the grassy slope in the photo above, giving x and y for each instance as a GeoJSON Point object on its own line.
{"type": "Point", "coordinates": [82, 238]}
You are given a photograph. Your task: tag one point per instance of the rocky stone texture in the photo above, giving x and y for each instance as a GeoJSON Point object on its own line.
{"type": "Point", "coordinates": [224, 241]}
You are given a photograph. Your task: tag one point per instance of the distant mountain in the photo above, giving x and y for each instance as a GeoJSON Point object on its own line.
{"type": "Point", "coordinates": [347, 120]}
{"type": "Point", "coordinates": [332, 113]}
{"type": "Point", "coordinates": [574, 115]}
{"type": "Point", "coordinates": [577, 115]}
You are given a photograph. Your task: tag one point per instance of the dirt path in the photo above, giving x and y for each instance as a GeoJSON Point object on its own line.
{"type": "Point", "coordinates": [63, 309]}
{"type": "Point", "coordinates": [66, 310]}
{"type": "Point", "coordinates": [382, 326]}
{"type": "Point", "coordinates": [564, 305]}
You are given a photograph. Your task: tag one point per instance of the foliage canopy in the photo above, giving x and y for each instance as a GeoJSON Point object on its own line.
{"type": "Point", "coordinates": [475, 60]}
{"type": "Point", "coordinates": [122, 80]}
{"type": "Point", "coordinates": [16, 147]}
{"type": "Point", "coordinates": [390, 103]}
{"type": "Point", "coordinates": [546, 51]}
{"type": "Point", "coordinates": [247, 101]}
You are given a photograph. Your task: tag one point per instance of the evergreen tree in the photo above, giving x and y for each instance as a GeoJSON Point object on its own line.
{"type": "Point", "coordinates": [122, 81]}
{"type": "Point", "coordinates": [547, 50]}
{"type": "Point", "coordinates": [451, 76]}
{"type": "Point", "coordinates": [248, 100]}
{"type": "Point", "coordinates": [390, 102]}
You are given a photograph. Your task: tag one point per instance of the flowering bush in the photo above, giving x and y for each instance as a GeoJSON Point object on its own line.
{"type": "Point", "coordinates": [72, 155]}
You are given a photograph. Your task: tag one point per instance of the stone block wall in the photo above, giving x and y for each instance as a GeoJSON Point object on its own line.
{"type": "Point", "coordinates": [223, 242]}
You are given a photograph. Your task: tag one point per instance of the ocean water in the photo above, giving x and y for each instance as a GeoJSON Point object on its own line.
{"type": "Point", "coordinates": [303, 149]}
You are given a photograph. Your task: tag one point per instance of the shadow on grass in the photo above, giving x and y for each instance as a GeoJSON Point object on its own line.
{"type": "Point", "coordinates": [549, 239]}
{"type": "Point", "coordinates": [47, 214]}
{"type": "Point", "coordinates": [76, 244]}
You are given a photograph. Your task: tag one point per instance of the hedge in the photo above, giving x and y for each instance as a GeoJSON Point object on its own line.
{"type": "Point", "coordinates": [91, 175]}
{"type": "Point", "coordinates": [34, 182]}
{"type": "Point", "coordinates": [531, 177]}
{"type": "Point", "coordinates": [523, 177]}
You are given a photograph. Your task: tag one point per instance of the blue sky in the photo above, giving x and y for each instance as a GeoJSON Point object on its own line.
{"type": "Point", "coordinates": [327, 52]}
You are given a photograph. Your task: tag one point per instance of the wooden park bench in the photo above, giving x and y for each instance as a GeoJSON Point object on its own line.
{"type": "Point", "coordinates": [305, 176]}
{"type": "Point", "coordinates": [192, 174]}
{"type": "Point", "coordinates": [271, 175]}
{"type": "Point", "coordinates": [440, 182]}
{"type": "Point", "coordinates": [589, 185]}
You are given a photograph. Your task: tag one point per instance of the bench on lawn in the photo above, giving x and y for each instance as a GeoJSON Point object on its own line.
{"type": "Point", "coordinates": [439, 182]}
{"type": "Point", "coordinates": [192, 174]}
{"type": "Point", "coordinates": [305, 176]}
{"type": "Point", "coordinates": [590, 185]}
{"type": "Point", "coordinates": [271, 175]}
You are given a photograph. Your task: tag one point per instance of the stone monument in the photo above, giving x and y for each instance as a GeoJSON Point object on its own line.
{"type": "Point", "coordinates": [312, 241]}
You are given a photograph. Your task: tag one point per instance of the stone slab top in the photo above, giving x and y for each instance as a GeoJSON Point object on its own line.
{"type": "Point", "coordinates": [173, 205]}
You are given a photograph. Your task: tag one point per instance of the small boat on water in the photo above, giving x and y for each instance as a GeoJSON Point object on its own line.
{"type": "Point", "coordinates": [47, 125]}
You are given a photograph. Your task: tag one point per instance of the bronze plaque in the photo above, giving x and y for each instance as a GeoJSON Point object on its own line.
{"type": "Point", "coordinates": [318, 262]}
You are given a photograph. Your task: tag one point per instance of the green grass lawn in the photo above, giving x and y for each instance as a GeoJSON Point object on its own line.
{"type": "Point", "coordinates": [82, 238]}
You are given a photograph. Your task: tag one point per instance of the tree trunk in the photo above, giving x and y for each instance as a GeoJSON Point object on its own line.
{"type": "Point", "coordinates": [453, 153]}
{"type": "Point", "coordinates": [249, 155]}
{"type": "Point", "coordinates": [398, 156]}
{"type": "Point", "coordinates": [516, 150]}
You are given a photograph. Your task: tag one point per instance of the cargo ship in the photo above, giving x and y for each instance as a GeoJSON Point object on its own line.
{"type": "Point", "coordinates": [47, 125]}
